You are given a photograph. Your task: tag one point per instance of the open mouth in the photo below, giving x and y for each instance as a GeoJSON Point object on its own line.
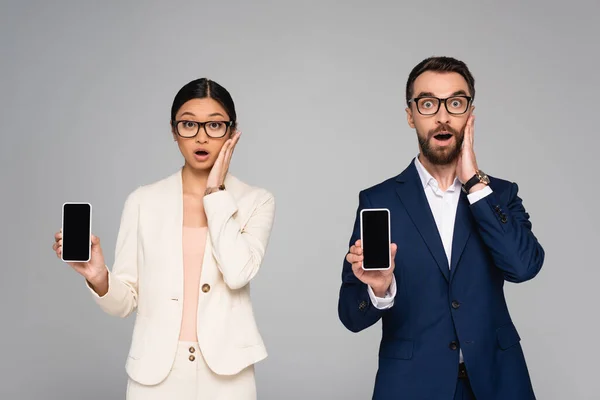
{"type": "Point", "coordinates": [201, 153]}
{"type": "Point", "coordinates": [443, 136]}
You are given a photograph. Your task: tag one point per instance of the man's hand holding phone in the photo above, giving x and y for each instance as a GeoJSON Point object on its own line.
{"type": "Point", "coordinates": [378, 280]}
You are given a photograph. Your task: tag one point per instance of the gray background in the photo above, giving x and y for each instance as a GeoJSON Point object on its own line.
{"type": "Point", "coordinates": [86, 89]}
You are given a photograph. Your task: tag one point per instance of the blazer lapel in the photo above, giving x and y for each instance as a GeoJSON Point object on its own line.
{"type": "Point", "coordinates": [411, 193]}
{"type": "Point", "coordinates": [173, 235]}
{"type": "Point", "coordinates": [462, 231]}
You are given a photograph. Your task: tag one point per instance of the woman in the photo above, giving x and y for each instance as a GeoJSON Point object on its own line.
{"type": "Point", "coordinates": [187, 248]}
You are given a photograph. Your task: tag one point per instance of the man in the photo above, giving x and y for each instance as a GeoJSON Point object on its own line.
{"type": "Point", "coordinates": [457, 235]}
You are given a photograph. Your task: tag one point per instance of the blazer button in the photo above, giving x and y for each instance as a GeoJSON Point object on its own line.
{"type": "Point", "coordinates": [497, 208]}
{"type": "Point", "coordinates": [192, 358]}
{"type": "Point", "coordinates": [503, 219]}
{"type": "Point", "coordinates": [362, 305]}
{"type": "Point", "coordinates": [455, 304]}
{"type": "Point", "coordinates": [205, 288]}
{"type": "Point", "coordinates": [453, 345]}
{"type": "Point", "coordinates": [192, 349]}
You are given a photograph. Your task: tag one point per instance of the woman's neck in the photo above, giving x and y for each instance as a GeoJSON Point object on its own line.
{"type": "Point", "coordinates": [194, 181]}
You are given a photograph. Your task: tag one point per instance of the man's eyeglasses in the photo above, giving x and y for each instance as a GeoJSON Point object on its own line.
{"type": "Point", "coordinates": [455, 105]}
{"type": "Point", "coordinates": [213, 129]}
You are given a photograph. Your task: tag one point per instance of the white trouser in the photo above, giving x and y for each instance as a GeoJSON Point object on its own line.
{"type": "Point", "coordinates": [191, 379]}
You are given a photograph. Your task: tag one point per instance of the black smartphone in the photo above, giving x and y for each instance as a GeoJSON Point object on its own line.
{"type": "Point", "coordinates": [76, 232]}
{"type": "Point", "coordinates": [375, 236]}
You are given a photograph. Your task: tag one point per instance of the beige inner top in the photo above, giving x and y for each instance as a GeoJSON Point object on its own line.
{"type": "Point", "coordinates": [194, 242]}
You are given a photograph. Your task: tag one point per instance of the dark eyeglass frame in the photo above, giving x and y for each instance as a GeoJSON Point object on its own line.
{"type": "Point", "coordinates": [202, 125]}
{"type": "Point", "coordinates": [440, 101]}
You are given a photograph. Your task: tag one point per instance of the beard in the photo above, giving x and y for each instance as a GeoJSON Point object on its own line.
{"type": "Point", "coordinates": [441, 155]}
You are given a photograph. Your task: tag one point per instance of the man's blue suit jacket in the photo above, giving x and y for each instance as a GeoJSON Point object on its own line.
{"type": "Point", "coordinates": [439, 307]}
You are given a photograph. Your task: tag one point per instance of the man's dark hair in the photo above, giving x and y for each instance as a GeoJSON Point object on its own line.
{"type": "Point", "coordinates": [439, 64]}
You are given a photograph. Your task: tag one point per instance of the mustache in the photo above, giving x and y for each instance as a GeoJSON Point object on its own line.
{"type": "Point", "coordinates": [444, 128]}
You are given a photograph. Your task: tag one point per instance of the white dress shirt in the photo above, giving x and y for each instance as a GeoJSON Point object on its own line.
{"type": "Point", "coordinates": [443, 207]}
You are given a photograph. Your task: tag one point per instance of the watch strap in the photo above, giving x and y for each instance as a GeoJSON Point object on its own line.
{"type": "Point", "coordinates": [470, 183]}
{"type": "Point", "coordinates": [479, 177]}
{"type": "Point", "coordinates": [210, 190]}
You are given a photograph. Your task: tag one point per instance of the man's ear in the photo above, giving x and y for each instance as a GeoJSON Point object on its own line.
{"type": "Point", "coordinates": [409, 117]}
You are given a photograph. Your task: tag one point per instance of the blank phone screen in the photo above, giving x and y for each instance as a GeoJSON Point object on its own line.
{"type": "Point", "coordinates": [375, 239]}
{"type": "Point", "coordinates": [76, 232]}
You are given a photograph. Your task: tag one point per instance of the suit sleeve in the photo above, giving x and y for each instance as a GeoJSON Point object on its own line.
{"type": "Point", "coordinates": [239, 249]}
{"type": "Point", "coordinates": [355, 308]}
{"type": "Point", "coordinates": [121, 298]}
{"type": "Point", "coordinates": [505, 228]}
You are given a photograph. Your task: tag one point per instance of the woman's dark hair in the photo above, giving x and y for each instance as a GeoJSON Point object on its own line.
{"type": "Point", "coordinates": [203, 88]}
{"type": "Point", "coordinates": [440, 64]}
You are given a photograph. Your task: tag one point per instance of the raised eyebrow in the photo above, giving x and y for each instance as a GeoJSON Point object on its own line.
{"type": "Point", "coordinates": [210, 115]}
{"type": "Point", "coordinates": [425, 94]}
{"type": "Point", "coordinates": [430, 94]}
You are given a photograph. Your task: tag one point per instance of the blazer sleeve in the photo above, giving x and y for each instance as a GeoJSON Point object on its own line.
{"type": "Point", "coordinates": [121, 298]}
{"type": "Point", "coordinates": [355, 308]}
{"type": "Point", "coordinates": [505, 228]}
{"type": "Point", "coordinates": [238, 246]}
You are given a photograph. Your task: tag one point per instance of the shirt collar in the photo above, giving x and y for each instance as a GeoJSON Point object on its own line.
{"type": "Point", "coordinates": [427, 179]}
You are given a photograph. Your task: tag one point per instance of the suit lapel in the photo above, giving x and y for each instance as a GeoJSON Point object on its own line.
{"type": "Point", "coordinates": [174, 234]}
{"type": "Point", "coordinates": [411, 193]}
{"type": "Point", "coordinates": [462, 232]}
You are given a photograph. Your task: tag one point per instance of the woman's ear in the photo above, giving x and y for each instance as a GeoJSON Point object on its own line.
{"type": "Point", "coordinates": [173, 131]}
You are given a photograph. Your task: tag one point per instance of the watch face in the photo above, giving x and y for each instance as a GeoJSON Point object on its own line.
{"type": "Point", "coordinates": [483, 177]}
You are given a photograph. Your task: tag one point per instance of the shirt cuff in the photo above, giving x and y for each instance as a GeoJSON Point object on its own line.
{"type": "Point", "coordinates": [480, 194]}
{"type": "Point", "coordinates": [383, 303]}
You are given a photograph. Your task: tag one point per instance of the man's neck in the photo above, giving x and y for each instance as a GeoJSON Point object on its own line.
{"type": "Point", "coordinates": [445, 175]}
{"type": "Point", "coordinates": [194, 181]}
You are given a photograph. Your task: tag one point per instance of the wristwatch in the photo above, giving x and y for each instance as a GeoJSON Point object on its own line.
{"type": "Point", "coordinates": [214, 189]}
{"type": "Point", "coordinates": [479, 177]}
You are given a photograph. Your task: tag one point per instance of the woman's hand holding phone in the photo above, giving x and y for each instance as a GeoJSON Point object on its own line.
{"type": "Point", "coordinates": [94, 271]}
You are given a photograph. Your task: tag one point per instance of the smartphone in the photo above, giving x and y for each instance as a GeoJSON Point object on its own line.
{"type": "Point", "coordinates": [375, 236]}
{"type": "Point", "coordinates": [77, 232]}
